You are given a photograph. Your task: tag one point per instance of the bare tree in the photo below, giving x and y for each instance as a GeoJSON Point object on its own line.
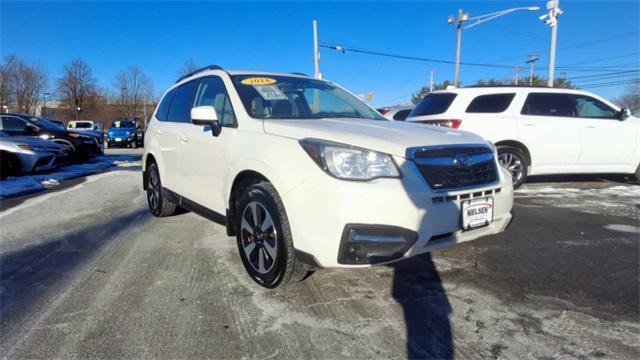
{"type": "Point", "coordinates": [631, 99]}
{"type": "Point", "coordinates": [29, 81]}
{"type": "Point", "coordinates": [135, 89]}
{"type": "Point", "coordinates": [7, 70]}
{"type": "Point", "coordinates": [20, 84]}
{"type": "Point", "coordinates": [76, 84]}
{"type": "Point", "coordinates": [188, 67]}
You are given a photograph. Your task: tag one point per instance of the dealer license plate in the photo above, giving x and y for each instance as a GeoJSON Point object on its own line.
{"type": "Point", "coordinates": [118, 139]}
{"type": "Point", "coordinates": [477, 212]}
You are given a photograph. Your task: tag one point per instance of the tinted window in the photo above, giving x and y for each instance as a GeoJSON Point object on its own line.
{"type": "Point", "coordinates": [401, 115]}
{"type": "Point", "coordinates": [494, 103]}
{"type": "Point", "coordinates": [13, 124]}
{"type": "Point", "coordinates": [588, 107]}
{"type": "Point", "coordinates": [549, 104]}
{"type": "Point", "coordinates": [433, 104]}
{"type": "Point", "coordinates": [180, 110]}
{"type": "Point", "coordinates": [163, 108]}
{"type": "Point", "coordinates": [212, 92]}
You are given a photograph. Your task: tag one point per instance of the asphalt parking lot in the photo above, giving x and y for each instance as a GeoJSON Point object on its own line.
{"type": "Point", "coordinates": [86, 272]}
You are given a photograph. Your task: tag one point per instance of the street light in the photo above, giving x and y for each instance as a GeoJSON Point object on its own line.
{"type": "Point", "coordinates": [477, 20]}
{"type": "Point", "coordinates": [551, 19]}
{"type": "Point", "coordinates": [44, 103]}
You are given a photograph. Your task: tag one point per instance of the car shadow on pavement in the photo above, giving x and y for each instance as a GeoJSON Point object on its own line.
{"type": "Point", "coordinates": [417, 287]}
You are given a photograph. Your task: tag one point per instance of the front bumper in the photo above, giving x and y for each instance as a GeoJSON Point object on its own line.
{"type": "Point", "coordinates": [323, 229]}
{"type": "Point", "coordinates": [120, 141]}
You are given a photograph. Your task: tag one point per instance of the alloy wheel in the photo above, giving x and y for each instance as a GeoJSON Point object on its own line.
{"type": "Point", "coordinates": [153, 192]}
{"type": "Point", "coordinates": [259, 237]}
{"type": "Point", "coordinates": [514, 164]}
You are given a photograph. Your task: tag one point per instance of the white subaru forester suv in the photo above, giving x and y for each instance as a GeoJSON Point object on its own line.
{"type": "Point", "coordinates": [307, 176]}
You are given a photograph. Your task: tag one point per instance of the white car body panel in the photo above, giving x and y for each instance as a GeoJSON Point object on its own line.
{"type": "Point", "coordinates": [558, 145]}
{"type": "Point", "coordinates": [202, 167]}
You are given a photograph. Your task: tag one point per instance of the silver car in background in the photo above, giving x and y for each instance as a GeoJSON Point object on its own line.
{"type": "Point", "coordinates": [24, 155]}
{"type": "Point", "coordinates": [397, 113]}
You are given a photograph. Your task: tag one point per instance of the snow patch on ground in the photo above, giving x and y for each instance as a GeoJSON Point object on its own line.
{"type": "Point", "coordinates": [22, 185]}
{"type": "Point", "coordinates": [623, 228]}
{"type": "Point", "coordinates": [561, 192]}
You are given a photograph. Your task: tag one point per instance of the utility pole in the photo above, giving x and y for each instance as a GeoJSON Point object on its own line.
{"type": "Point", "coordinates": [551, 19]}
{"type": "Point", "coordinates": [518, 69]}
{"type": "Point", "coordinates": [532, 60]}
{"type": "Point", "coordinates": [462, 17]}
{"type": "Point", "coordinates": [476, 20]}
{"type": "Point", "coordinates": [431, 81]}
{"type": "Point", "coordinates": [316, 53]}
{"type": "Point", "coordinates": [44, 104]}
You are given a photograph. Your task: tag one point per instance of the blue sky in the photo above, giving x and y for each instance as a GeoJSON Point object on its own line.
{"type": "Point", "coordinates": [277, 36]}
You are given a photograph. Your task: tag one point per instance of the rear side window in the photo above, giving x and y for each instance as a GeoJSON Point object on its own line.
{"type": "Point", "coordinates": [494, 103]}
{"type": "Point", "coordinates": [401, 115]}
{"type": "Point", "coordinates": [163, 109]}
{"type": "Point", "coordinates": [549, 104]}
{"type": "Point", "coordinates": [180, 110]}
{"type": "Point", "coordinates": [433, 104]}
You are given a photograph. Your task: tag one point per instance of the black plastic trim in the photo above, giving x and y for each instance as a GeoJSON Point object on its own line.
{"type": "Point", "coordinates": [344, 257]}
{"type": "Point", "coordinates": [210, 67]}
{"type": "Point", "coordinates": [193, 206]}
{"type": "Point", "coordinates": [307, 259]}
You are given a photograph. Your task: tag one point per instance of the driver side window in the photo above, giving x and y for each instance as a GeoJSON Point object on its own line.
{"type": "Point", "coordinates": [588, 107]}
{"type": "Point", "coordinates": [211, 92]}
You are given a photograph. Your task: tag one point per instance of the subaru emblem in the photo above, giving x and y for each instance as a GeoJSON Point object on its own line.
{"type": "Point", "coordinates": [463, 161]}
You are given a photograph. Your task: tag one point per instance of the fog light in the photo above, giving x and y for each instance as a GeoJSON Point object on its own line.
{"type": "Point", "coordinates": [371, 244]}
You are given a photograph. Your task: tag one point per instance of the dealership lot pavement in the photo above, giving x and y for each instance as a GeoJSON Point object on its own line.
{"type": "Point", "coordinates": [86, 272]}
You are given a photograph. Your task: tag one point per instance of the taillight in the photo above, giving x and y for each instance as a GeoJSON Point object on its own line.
{"type": "Point", "coordinates": [450, 123]}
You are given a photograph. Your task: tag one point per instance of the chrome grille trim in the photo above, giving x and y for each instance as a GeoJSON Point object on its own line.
{"type": "Point", "coordinates": [441, 168]}
{"type": "Point", "coordinates": [465, 196]}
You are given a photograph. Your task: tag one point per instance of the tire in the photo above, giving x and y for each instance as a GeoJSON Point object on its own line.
{"type": "Point", "coordinates": [265, 241]}
{"type": "Point", "coordinates": [159, 205]}
{"type": "Point", "coordinates": [9, 165]}
{"type": "Point", "coordinates": [514, 160]}
{"type": "Point", "coordinates": [637, 174]}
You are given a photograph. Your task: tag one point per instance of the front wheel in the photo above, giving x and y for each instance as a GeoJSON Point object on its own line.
{"type": "Point", "coordinates": [159, 205]}
{"type": "Point", "coordinates": [513, 159]}
{"type": "Point", "coordinates": [264, 238]}
{"type": "Point", "coordinates": [9, 165]}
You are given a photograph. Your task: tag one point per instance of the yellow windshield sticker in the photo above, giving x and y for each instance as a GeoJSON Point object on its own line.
{"type": "Point", "coordinates": [259, 81]}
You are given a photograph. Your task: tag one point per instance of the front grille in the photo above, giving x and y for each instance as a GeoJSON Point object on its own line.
{"type": "Point", "coordinates": [454, 167]}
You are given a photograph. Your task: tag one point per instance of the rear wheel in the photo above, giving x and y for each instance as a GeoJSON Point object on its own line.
{"type": "Point", "coordinates": [9, 165]}
{"type": "Point", "coordinates": [159, 205]}
{"type": "Point", "coordinates": [513, 159]}
{"type": "Point", "coordinates": [264, 239]}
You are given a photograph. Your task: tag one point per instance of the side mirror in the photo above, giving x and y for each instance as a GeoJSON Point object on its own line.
{"type": "Point", "coordinates": [624, 114]}
{"type": "Point", "coordinates": [206, 115]}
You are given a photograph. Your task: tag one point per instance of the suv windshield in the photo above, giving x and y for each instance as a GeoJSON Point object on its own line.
{"type": "Point", "coordinates": [284, 97]}
{"type": "Point", "coordinates": [126, 124]}
{"type": "Point", "coordinates": [433, 104]}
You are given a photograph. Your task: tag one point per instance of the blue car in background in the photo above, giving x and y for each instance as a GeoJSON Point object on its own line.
{"type": "Point", "coordinates": [125, 133]}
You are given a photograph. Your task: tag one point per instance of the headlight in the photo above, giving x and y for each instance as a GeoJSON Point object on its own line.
{"type": "Point", "coordinates": [350, 163]}
{"type": "Point", "coordinates": [24, 147]}
{"type": "Point", "coordinates": [45, 136]}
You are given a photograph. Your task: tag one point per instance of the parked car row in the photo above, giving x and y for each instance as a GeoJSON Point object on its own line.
{"type": "Point", "coordinates": [30, 144]}
{"type": "Point", "coordinates": [538, 131]}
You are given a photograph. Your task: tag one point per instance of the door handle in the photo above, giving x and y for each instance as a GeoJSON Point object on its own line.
{"type": "Point", "coordinates": [529, 124]}
{"type": "Point", "coordinates": [184, 138]}
{"type": "Point", "coordinates": [158, 132]}
{"type": "Point", "coordinates": [589, 127]}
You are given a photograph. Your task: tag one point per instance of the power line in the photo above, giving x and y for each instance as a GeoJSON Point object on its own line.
{"type": "Point", "coordinates": [344, 49]}
{"type": "Point", "coordinates": [619, 73]}
{"type": "Point", "coordinates": [612, 83]}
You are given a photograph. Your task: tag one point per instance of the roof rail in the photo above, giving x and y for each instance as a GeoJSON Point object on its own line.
{"type": "Point", "coordinates": [299, 73]}
{"type": "Point", "coordinates": [210, 67]}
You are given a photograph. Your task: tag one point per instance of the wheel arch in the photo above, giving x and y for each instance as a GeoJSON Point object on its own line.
{"type": "Point", "coordinates": [521, 146]}
{"type": "Point", "coordinates": [241, 181]}
{"type": "Point", "coordinates": [148, 158]}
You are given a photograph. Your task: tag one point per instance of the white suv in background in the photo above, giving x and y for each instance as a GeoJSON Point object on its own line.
{"type": "Point", "coordinates": [306, 175]}
{"type": "Point", "coordinates": [541, 130]}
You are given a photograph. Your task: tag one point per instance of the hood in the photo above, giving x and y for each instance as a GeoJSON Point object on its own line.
{"type": "Point", "coordinates": [391, 137]}
{"type": "Point", "coordinates": [121, 131]}
{"type": "Point", "coordinates": [31, 141]}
